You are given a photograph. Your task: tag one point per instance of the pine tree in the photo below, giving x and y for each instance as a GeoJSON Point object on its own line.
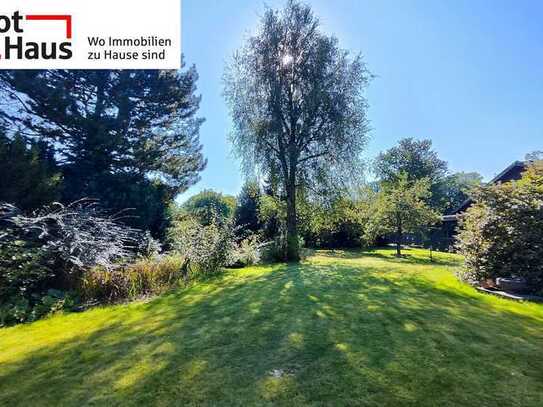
{"type": "Point", "coordinates": [246, 215]}
{"type": "Point", "coordinates": [30, 177]}
{"type": "Point", "coordinates": [129, 138]}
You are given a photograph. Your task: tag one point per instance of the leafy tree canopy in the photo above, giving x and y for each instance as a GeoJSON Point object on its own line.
{"type": "Point", "coordinates": [401, 207]}
{"type": "Point", "coordinates": [298, 107]}
{"type": "Point", "coordinates": [454, 189]}
{"type": "Point", "coordinates": [209, 205]}
{"type": "Point", "coordinates": [414, 158]}
{"type": "Point", "coordinates": [337, 222]}
{"type": "Point", "coordinates": [246, 213]}
{"type": "Point", "coordinates": [417, 160]}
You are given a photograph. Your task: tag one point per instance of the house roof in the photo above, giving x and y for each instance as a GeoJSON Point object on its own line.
{"type": "Point", "coordinates": [513, 172]}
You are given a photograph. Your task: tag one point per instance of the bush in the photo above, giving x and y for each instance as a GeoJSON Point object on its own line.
{"type": "Point", "coordinates": [53, 248]}
{"type": "Point", "coordinates": [335, 223]}
{"type": "Point", "coordinates": [272, 252]}
{"type": "Point", "coordinates": [147, 246]}
{"type": "Point", "coordinates": [68, 238]}
{"type": "Point", "coordinates": [247, 252]}
{"type": "Point", "coordinates": [142, 278]}
{"type": "Point", "coordinates": [501, 235]}
{"type": "Point", "coordinates": [17, 309]}
{"type": "Point", "coordinates": [206, 248]}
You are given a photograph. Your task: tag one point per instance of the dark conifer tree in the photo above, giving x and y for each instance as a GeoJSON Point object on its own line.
{"type": "Point", "coordinates": [29, 176]}
{"type": "Point", "coordinates": [246, 215]}
{"type": "Point", "coordinates": [127, 137]}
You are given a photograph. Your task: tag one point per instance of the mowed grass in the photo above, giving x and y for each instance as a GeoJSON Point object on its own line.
{"type": "Point", "coordinates": [340, 329]}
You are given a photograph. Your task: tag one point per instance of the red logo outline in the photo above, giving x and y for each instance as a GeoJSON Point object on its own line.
{"type": "Point", "coordinates": [56, 17]}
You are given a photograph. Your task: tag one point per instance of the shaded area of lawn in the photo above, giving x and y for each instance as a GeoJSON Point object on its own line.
{"type": "Point", "coordinates": [344, 328]}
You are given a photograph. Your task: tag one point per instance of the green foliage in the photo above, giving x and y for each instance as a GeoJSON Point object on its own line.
{"type": "Point", "coordinates": [417, 160]}
{"type": "Point", "coordinates": [333, 222]}
{"type": "Point", "coordinates": [247, 252]}
{"type": "Point", "coordinates": [147, 246]}
{"type": "Point", "coordinates": [145, 277]}
{"type": "Point", "coordinates": [207, 248]}
{"type": "Point", "coordinates": [337, 223]}
{"type": "Point", "coordinates": [298, 107]}
{"type": "Point", "coordinates": [25, 269]}
{"type": "Point", "coordinates": [414, 158]}
{"type": "Point", "coordinates": [30, 177]}
{"type": "Point", "coordinates": [209, 206]}
{"type": "Point", "coordinates": [272, 214]}
{"type": "Point", "coordinates": [246, 213]}
{"type": "Point", "coordinates": [147, 199]}
{"type": "Point", "coordinates": [501, 234]}
{"type": "Point", "coordinates": [17, 309]}
{"type": "Point", "coordinates": [454, 189]}
{"type": "Point", "coordinates": [54, 247]}
{"type": "Point", "coordinates": [126, 137]}
{"type": "Point", "coordinates": [400, 207]}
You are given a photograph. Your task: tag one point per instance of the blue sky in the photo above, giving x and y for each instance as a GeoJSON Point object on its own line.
{"type": "Point", "coordinates": [466, 74]}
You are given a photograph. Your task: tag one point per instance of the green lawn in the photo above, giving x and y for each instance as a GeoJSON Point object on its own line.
{"type": "Point", "coordinates": [341, 329]}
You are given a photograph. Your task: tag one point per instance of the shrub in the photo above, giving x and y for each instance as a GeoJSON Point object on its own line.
{"type": "Point", "coordinates": [53, 248]}
{"type": "Point", "coordinates": [147, 246]}
{"type": "Point", "coordinates": [273, 251]}
{"type": "Point", "coordinates": [247, 252]}
{"type": "Point", "coordinates": [400, 208]}
{"type": "Point", "coordinates": [206, 248]}
{"type": "Point", "coordinates": [69, 237]}
{"type": "Point", "coordinates": [338, 222]}
{"type": "Point", "coordinates": [17, 309]}
{"type": "Point", "coordinates": [144, 277]}
{"type": "Point", "coordinates": [501, 235]}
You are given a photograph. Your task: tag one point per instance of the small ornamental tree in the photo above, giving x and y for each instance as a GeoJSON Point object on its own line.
{"type": "Point", "coordinates": [401, 207]}
{"type": "Point", "coordinates": [417, 159]}
{"type": "Point", "coordinates": [501, 235]}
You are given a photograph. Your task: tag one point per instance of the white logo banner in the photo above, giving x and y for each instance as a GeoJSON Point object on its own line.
{"type": "Point", "coordinates": [90, 34]}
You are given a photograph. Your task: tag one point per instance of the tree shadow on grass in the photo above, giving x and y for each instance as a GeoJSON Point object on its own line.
{"type": "Point", "coordinates": [319, 334]}
{"type": "Point", "coordinates": [409, 256]}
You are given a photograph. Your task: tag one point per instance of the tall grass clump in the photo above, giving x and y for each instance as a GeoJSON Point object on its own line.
{"type": "Point", "coordinates": [145, 277]}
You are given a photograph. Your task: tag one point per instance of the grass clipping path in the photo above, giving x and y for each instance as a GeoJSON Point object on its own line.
{"type": "Point", "coordinates": [342, 328]}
